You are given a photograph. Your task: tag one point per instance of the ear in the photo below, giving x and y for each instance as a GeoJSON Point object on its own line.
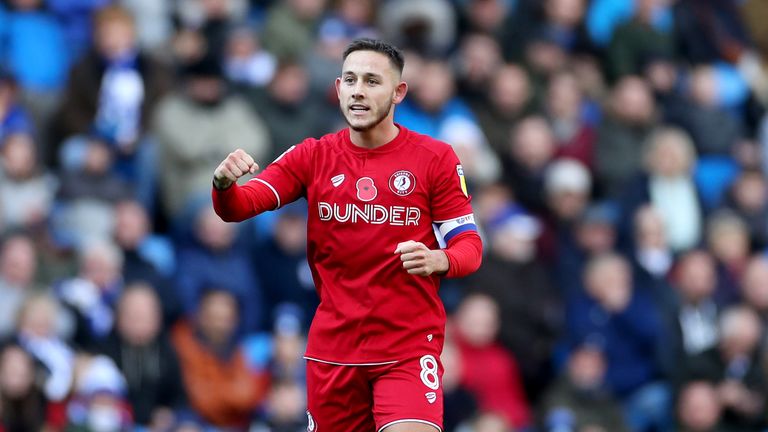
{"type": "Point", "coordinates": [337, 84]}
{"type": "Point", "coordinates": [400, 92]}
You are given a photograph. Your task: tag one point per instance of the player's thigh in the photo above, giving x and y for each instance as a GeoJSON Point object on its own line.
{"type": "Point", "coordinates": [339, 398]}
{"type": "Point", "coordinates": [408, 395]}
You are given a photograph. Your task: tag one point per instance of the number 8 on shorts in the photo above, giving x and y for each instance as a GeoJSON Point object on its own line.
{"type": "Point", "coordinates": [429, 372]}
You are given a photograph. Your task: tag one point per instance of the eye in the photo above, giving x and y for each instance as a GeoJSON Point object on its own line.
{"type": "Point", "coordinates": [372, 82]}
{"type": "Point", "coordinates": [349, 80]}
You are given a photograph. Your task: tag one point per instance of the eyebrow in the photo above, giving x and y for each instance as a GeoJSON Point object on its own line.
{"type": "Point", "coordinates": [366, 74]}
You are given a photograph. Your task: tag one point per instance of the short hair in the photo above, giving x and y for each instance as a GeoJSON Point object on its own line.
{"type": "Point", "coordinates": [113, 13]}
{"type": "Point", "coordinates": [392, 52]}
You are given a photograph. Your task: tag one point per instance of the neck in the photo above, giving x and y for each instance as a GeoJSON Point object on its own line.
{"type": "Point", "coordinates": [375, 137]}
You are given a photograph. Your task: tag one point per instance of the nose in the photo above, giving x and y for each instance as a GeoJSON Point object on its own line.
{"type": "Point", "coordinates": [357, 92]}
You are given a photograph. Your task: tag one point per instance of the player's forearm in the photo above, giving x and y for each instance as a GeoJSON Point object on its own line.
{"type": "Point", "coordinates": [465, 253]}
{"type": "Point", "coordinates": [238, 203]}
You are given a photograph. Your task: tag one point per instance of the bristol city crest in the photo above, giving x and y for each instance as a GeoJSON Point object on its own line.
{"type": "Point", "coordinates": [402, 183]}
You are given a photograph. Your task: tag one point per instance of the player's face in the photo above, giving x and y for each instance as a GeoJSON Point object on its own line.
{"type": "Point", "coordinates": [368, 88]}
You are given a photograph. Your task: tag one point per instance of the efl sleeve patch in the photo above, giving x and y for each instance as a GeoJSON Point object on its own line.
{"type": "Point", "coordinates": [462, 180]}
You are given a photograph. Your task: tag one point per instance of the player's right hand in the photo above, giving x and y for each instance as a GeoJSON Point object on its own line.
{"type": "Point", "coordinates": [237, 164]}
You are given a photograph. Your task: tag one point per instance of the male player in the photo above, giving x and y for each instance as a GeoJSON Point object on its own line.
{"type": "Point", "coordinates": [374, 189]}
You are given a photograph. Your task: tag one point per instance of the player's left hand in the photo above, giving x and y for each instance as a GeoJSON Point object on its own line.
{"type": "Point", "coordinates": [420, 260]}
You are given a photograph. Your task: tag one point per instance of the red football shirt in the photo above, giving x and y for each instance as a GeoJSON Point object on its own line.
{"type": "Point", "coordinates": [362, 203]}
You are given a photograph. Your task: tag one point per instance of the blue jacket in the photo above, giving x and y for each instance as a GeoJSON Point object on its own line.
{"type": "Point", "coordinates": [22, 33]}
{"type": "Point", "coordinates": [629, 339]}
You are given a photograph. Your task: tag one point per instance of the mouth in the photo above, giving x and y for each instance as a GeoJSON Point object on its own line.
{"type": "Point", "coordinates": [358, 109]}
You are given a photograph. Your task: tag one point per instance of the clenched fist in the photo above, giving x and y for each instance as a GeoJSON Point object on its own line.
{"type": "Point", "coordinates": [419, 260]}
{"type": "Point", "coordinates": [237, 164]}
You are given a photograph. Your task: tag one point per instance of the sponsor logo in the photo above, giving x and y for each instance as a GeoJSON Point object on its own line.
{"type": "Point", "coordinates": [311, 425]}
{"type": "Point", "coordinates": [369, 213]}
{"type": "Point", "coordinates": [366, 190]}
{"type": "Point", "coordinates": [402, 183]}
{"type": "Point", "coordinates": [431, 397]}
{"type": "Point", "coordinates": [429, 337]}
{"type": "Point", "coordinates": [337, 180]}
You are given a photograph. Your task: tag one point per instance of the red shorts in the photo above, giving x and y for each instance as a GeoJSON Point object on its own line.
{"type": "Point", "coordinates": [368, 398]}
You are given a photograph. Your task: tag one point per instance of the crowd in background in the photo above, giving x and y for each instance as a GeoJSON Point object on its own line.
{"type": "Point", "coordinates": [616, 151]}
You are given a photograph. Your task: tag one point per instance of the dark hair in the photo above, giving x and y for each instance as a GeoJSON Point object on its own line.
{"type": "Point", "coordinates": [391, 51]}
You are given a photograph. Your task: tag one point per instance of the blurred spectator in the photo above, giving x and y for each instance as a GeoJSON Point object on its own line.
{"type": "Point", "coordinates": [144, 355]}
{"type": "Point", "coordinates": [221, 388]}
{"type": "Point", "coordinates": [529, 305]}
{"type": "Point", "coordinates": [639, 41]}
{"type": "Point", "coordinates": [668, 185]}
{"type": "Point", "coordinates": [580, 400]}
{"type": "Point", "coordinates": [88, 192]}
{"type": "Point", "coordinates": [568, 186]}
{"type": "Point", "coordinates": [651, 255]}
{"type": "Point", "coordinates": [212, 259]}
{"type": "Point", "coordinates": [91, 296]}
{"type": "Point", "coordinates": [197, 125]}
{"type": "Point", "coordinates": [346, 21]}
{"type": "Point", "coordinates": [594, 233]}
{"type": "Point", "coordinates": [147, 258]}
{"type": "Point", "coordinates": [281, 264]}
{"type": "Point", "coordinates": [153, 23]}
{"type": "Point", "coordinates": [459, 403]}
{"type": "Point", "coordinates": [491, 17]}
{"type": "Point", "coordinates": [98, 403]}
{"type": "Point", "coordinates": [76, 18]}
{"type": "Point", "coordinates": [210, 20]}
{"type": "Point", "coordinates": [288, 346]}
{"type": "Point", "coordinates": [564, 105]}
{"type": "Point", "coordinates": [285, 409]}
{"type": "Point", "coordinates": [427, 26]}
{"type": "Point", "coordinates": [728, 240]}
{"type": "Point", "coordinates": [112, 92]}
{"type": "Point", "coordinates": [506, 101]}
{"type": "Point", "coordinates": [245, 61]}
{"type": "Point", "coordinates": [714, 130]}
{"type": "Point", "coordinates": [490, 373]}
{"type": "Point", "coordinates": [435, 110]}
{"type": "Point", "coordinates": [476, 62]}
{"type": "Point", "coordinates": [28, 26]}
{"type": "Point", "coordinates": [39, 334]}
{"type": "Point", "coordinates": [290, 27]}
{"type": "Point", "coordinates": [18, 267]}
{"type": "Point", "coordinates": [748, 197]}
{"type": "Point", "coordinates": [626, 126]}
{"type": "Point", "coordinates": [694, 318]}
{"type": "Point", "coordinates": [26, 188]}
{"type": "Point", "coordinates": [554, 26]}
{"type": "Point", "coordinates": [734, 367]}
{"type": "Point", "coordinates": [627, 328]}
{"type": "Point", "coordinates": [754, 286]}
{"type": "Point", "coordinates": [25, 407]}
{"type": "Point", "coordinates": [531, 148]}
{"type": "Point", "coordinates": [13, 115]}
{"type": "Point", "coordinates": [709, 31]}
{"type": "Point", "coordinates": [699, 408]}
{"type": "Point", "coordinates": [290, 112]}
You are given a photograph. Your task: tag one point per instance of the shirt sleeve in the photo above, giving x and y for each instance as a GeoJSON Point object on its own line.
{"type": "Point", "coordinates": [282, 182]}
{"type": "Point", "coordinates": [289, 175]}
{"type": "Point", "coordinates": [451, 203]}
